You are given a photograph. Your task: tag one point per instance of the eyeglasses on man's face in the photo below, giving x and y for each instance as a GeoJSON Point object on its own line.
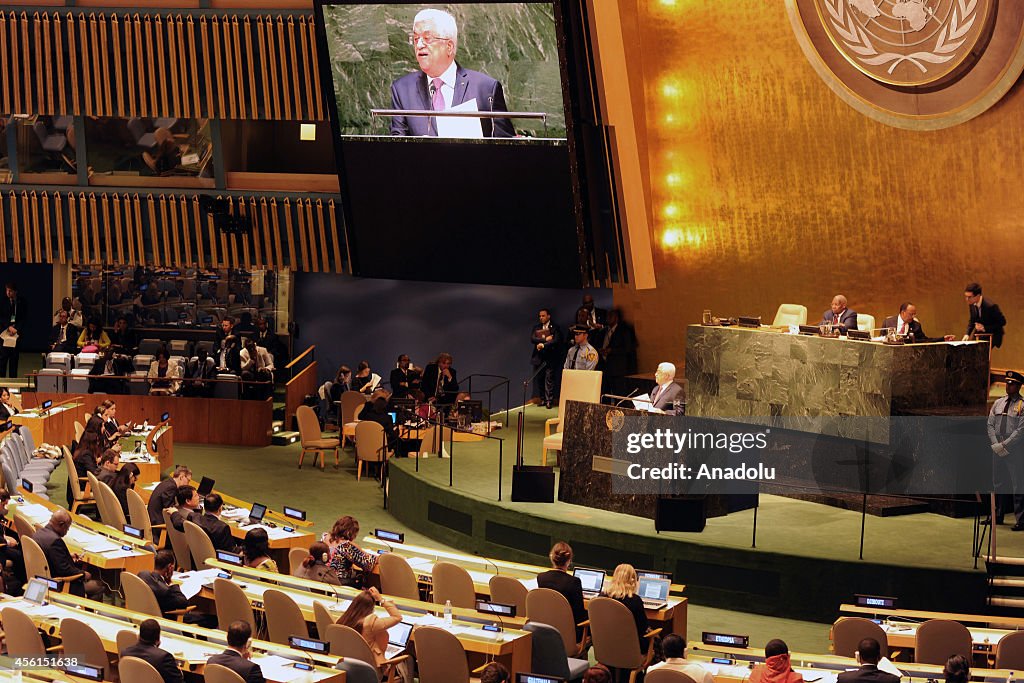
{"type": "Point", "coordinates": [426, 38]}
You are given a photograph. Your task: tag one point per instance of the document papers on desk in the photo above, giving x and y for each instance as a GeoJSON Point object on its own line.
{"type": "Point", "coordinates": [458, 126]}
{"type": "Point", "coordinates": [643, 402]}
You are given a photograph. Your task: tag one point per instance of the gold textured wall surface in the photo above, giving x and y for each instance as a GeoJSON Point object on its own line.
{"type": "Point", "coordinates": [766, 188]}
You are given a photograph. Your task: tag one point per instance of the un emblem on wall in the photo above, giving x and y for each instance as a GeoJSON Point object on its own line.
{"type": "Point", "coordinates": [920, 64]}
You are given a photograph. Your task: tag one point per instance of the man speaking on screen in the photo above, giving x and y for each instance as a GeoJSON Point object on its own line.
{"type": "Point", "coordinates": [442, 84]}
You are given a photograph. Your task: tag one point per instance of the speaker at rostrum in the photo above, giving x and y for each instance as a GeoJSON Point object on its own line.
{"type": "Point", "coordinates": [680, 514]}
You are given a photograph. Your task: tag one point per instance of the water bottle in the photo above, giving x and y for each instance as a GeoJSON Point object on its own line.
{"type": "Point", "coordinates": [448, 617]}
{"type": "Point", "coordinates": [1010, 678]}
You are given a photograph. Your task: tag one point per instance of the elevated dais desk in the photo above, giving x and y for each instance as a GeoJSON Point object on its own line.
{"type": "Point", "coordinates": [761, 372]}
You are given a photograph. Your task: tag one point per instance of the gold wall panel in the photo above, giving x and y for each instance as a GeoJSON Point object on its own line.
{"type": "Point", "coordinates": [767, 188]}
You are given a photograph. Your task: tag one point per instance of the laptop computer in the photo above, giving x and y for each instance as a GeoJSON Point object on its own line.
{"type": "Point", "coordinates": [398, 639]}
{"type": "Point", "coordinates": [205, 487]}
{"type": "Point", "coordinates": [592, 580]}
{"type": "Point", "coordinates": [36, 591]}
{"type": "Point", "coordinates": [654, 592]}
{"type": "Point", "coordinates": [256, 513]}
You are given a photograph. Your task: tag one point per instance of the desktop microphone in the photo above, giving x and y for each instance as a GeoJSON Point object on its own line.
{"type": "Point", "coordinates": [628, 396]}
{"type": "Point", "coordinates": [432, 120]}
{"type": "Point", "coordinates": [490, 107]}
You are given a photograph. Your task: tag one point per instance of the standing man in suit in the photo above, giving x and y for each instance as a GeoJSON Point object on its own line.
{"type": "Point", "coordinates": [64, 335]}
{"type": "Point", "coordinates": [440, 381]}
{"type": "Point", "coordinates": [839, 315]}
{"type": "Point", "coordinates": [596, 319]}
{"type": "Point", "coordinates": [13, 313]}
{"type": "Point", "coordinates": [148, 650]}
{"type": "Point", "coordinates": [238, 655]}
{"type": "Point", "coordinates": [441, 83]}
{"type": "Point", "coordinates": [210, 522]}
{"type": "Point", "coordinates": [546, 339]}
{"type": "Point", "coordinates": [986, 318]}
{"type": "Point", "coordinates": [618, 352]}
{"type": "Point", "coordinates": [667, 390]}
{"type": "Point", "coordinates": [869, 652]}
{"type": "Point", "coordinates": [1006, 438]}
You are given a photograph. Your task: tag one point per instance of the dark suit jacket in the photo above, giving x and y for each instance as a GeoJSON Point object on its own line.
{"type": "Point", "coordinates": [553, 351]}
{"type": "Point", "coordinates": [162, 661]}
{"type": "Point", "coordinates": [669, 394]}
{"type": "Point", "coordinates": [20, 309]}
{"type": "Point", "coordinates": [218, 531]}
{"type": "Point", "coordinates": [991, 317]}
{"type": "Point", "coordinates": [163, 497]}
{"type": "Point", "coordinates": [569, 586]}
{"type": "Point", "coordinates": [635, 605]}
{"type": "Point", "coordinates": [169, 596]}
{"type": "Point", "coordinates": [70, 344]}
{"type": "Point", "coordinates": [621, 358]}
{"type": "Point", "coordinates": [914, 328]}
{"type": "Point", "coordinates": [449, 387]}
{"type": "Point", "coordinates": [179, 516]}
{"type": "Point", "coordinates": [123, 342]}
{"type": "Point", "coordinates": [59, 558]}
{"type": "Point", "coordinates": [868, 673]}
{"type": "Point", "coordinates": [410, 92]}
{"type": "Point", "coordinates": [398, 376]}
{"type": "Point", "coordinates": [232, 659]}
{"type": "Point", "coordinates": [848, 319]}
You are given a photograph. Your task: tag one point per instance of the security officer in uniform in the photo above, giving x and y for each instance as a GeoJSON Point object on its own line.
{"type": "Point", "coordinates": [1006, 436]}
{"type": "Point", "coordinates": [581, 356]}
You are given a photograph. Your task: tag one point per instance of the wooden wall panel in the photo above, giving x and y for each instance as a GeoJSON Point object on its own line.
{"type": "Point", "coordinates": [168, 229]}
{"type": "Point", "coordinates": [147, 63]}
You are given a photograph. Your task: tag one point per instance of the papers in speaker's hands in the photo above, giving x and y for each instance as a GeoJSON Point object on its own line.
{"type": "Point", "coordinates": [458, 126]}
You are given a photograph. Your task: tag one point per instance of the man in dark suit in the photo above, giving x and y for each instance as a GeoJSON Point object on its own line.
{"type": "Point", "coordinates": [440, 381]}
{"type": "Point", "coordinates": [188, 507]}
{"type": "Point", "coordinates": [906, 324]}
{"type": "Point", "coordinates": [237, 656]}
{"type": "Point", "coordinates": [148, 650]}
{"type": "Point", "coordinates": [666, 390]}
{"type": "Point", "coordinates": [441, 83]}
{"type": "Point", "coordinates": [64, 335]}
{"type": "Point", "coordinates": [210, 522]}
{"type": "Point", "coordinates": [986, 318]}
{"type": "Point", "coordinates": [839, 315]}
{"type": "Point", "coordinates": [122, 339]}
{"type": "Point", "coordinates": [595, 321]}
{"type": "Point", "coordinates": [62, 563]}
{"type": "Point", "coordinates": [13, 313]}
{"type": "Point", "coordinates": [198, 373]}
{"type": "Point", "coordinates": [168, 595]}
{"type": "Point", "coordinates": [868, 655]}
{"type": "Point", "coordinates": [165, 494]}
{"type": "Point", "coordinates": [546, 339]}
{"type": "Point", "coordinates": [618, 352]}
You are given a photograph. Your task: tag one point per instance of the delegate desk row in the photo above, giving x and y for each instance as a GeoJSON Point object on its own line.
{"type": "Point", "coordinates": [671, 617]}
{"type": "Point", "coordinates": [286, 529]}
{"type": "Point", "coordinates": [484, 636]}
{"type": "Point", "coordinates": [733, 664]}
{"type": "Point", "coordinates": [901, 627]}
{"type": "Point", "coordinates": [190, 645]}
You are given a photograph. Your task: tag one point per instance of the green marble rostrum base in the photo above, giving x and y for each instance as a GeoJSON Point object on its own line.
{"type": "Point", "coordinates": [758, 374]}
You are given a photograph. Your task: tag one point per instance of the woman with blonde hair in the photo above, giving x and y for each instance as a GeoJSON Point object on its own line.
{"type": "Point", "coordinates": [622, 587]}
